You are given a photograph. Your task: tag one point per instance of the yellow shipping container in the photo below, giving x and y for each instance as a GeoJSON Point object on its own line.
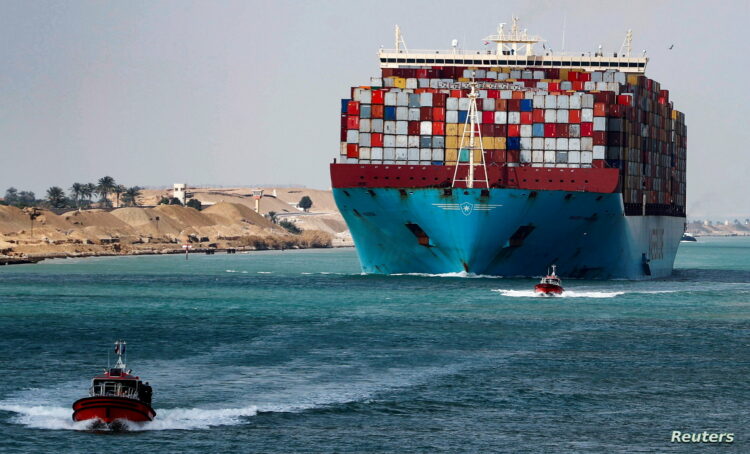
{"type": "Point", "coordinates": [451, 129]}
{"type": "Point", "coordinates": [675, 114]}
{"type": "Point", "coordinates": [499, 143]}
{"type": "Point", "coordinates": [564, 73]}
{"type": "Point", "coordinates": [399, 82]}
{"type": "Point", "coordinates": [451, 141]}
{"type": "Point", "coordinates": [450, 163]}
{"type": "Point", "coordinates": [477, 156]}
{"type": "Point", "coordinates": [451, 155]}
{"type": "Point", "coordinates": [633, 79]}
{"type": "Point", "coordinates": [488, 143]}
{"type": "Point", "coordinates": [464, 79]}
{"type": "Point", "coordinates": [506, 70]}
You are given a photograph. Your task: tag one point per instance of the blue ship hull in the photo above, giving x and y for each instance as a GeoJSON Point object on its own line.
{"type": "Point", "coordinates": [506, 232]}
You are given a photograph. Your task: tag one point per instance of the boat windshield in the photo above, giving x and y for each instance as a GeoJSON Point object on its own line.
{"type": "Point", "coordinates": [122, 388]}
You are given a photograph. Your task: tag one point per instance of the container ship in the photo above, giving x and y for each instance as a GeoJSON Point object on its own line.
{"type": "Point", "coordinates": [507, 161]}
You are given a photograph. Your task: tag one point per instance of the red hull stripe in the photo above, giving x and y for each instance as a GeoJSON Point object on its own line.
{"type": "Point", "coordinates": [109, 409]}
{"type": "Point", "coordinates": [601, 180]}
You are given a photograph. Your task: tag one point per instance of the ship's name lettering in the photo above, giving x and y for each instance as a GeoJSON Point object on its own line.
{"type": "Point", "coordinates": [483, 85]}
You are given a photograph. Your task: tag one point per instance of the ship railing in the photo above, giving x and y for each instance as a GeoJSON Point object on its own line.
{"type": "Point", "coordinates": [96, 391]}
{"type": "Point", "coordinates": [594, 56]}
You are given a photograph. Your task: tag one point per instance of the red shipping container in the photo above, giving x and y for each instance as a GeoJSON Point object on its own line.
{"type": "Point", "coordinates": [352, 150]}
{"type": "Point", "coordinates": [607, 97]}
{"type": "Point", "coordinates": [377, 111]}
{"type": "Point", "coordinates": [550, 130]}
{"type": "Point", "coordinates": [587, 129]}
{"type": "Point", "coordinates": [561, 130]}
{"type": "Point", "coordinates": [512, 155]}
{"type": "Point", "coordinates": [578, 85]}
{"type": "Point", "coordinates": [343, 134]}
{"type": "Point", "coordinates": [498, 156]}
{"type": "Point", "coordinates": [413, 128]}
{"type": "Point", "coordinates": [526, 118]}
{"type": "Point", "coordinates": [553, 86]}
{"type": "Point", "coordinates": [501, 105]}
{"type": "Point", "coordinates": [425, 113]}
{"type": "Point", "coordinates": [584, 77]}
{"type": "Point", "coordinates": [500, 130]}
{"type": "Point", "coordinates": [624, 100]}
{"type": "Point", "coordinates": [438, 114]}
{"type": "Point", "coordinates": [352, 108]}
{"type": "Point", "coordinates": [538, 115]}
{"type": "Point", "coordinates": [617, 111]}
{"type": "Point", "coordinates": [487, 129]}
{"type": "Point", "coordinates": [599, 163]}
{"type": "Point", "coordinates": [574, 116]}
{"type": "Point", "coordinates": [421, 74]}
{"type": "Point", "coordinates": [514, 105]}
{"type": "Point", "coordinates": [438, 128]}
{"type": "Point", "coordinates": [488, 117]}
{"type": "Point", "coordinates": [438, 99]}
{"type": "Point", "coordinates": [600, 109]}
{"type": "Point", "coordinates": [352, 122]}
{"type": "Point", "coordinates": [376, 140]}
{"type": "Point", "coordinates": [378, 96]}
{"type": "Point", "coordinates": [514, 130]}
{"type": "Point", "coordinates": [573, 76]}
{"type": "Point", "coordinates": [519, 95]}
{"type": "Point", "coordinates": [600, 138]}
{"type": "Point", "coordinates": [493, 94]}
{"type": "Point", "coordinates": [457, 94]}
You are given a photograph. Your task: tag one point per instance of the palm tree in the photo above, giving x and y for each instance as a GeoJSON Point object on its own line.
{"type": "Point", "coordinates": [56, 197]}
{"type": "Point", "coordinates": [105, 186]}
{"type": "Point", "coordinates": [88, 191]}
{"type": "Point", "coordinates": [131, 196]}
{"type": "Point", "coordinates": [76, 192]}
{"type": "Point", "coordinates": [118, 190]}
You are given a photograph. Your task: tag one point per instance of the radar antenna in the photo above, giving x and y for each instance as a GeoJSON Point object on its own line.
{"type": "Point", "coordinates": [400, 40]}
{"type": "Point", "coordinates": [627, 45]}
{"type": "Point", "coordinates": [517, 42]}
{"type": "Point", "coordinates": [120, 347]}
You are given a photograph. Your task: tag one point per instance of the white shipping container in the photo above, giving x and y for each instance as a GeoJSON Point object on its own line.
{"type": "Point", "coordinates": [389, 127]}
{"type": "Point", "coordinates": [413, 141]}
{"type": "Point", "coordinates": [352, 136]}
{"type": "Point", "coordinates": [401, 141]}
{"type": "Point", "coordinates": [482, 94]}
{"type": "Point", "coordinates": [561, 157]}
{"type": "Point", "coordinates": [597, 76]}
{"type": "Point", "coordinates": [463, 103]}
{"type": "Point", "coordinates": [468, 73]}
{"type": "Point", "coordinates": [502, 76]}
{"type": "Point", "coordinates": [537, 143]}
{"type": "Point", "coordinates": [601, 86]}
{"type": "Point", "coordinates": [488, 104]}
{"type": "Point", "coordinates": [514, 118]}
{"type": "Point", "coordinates": [434, 83]}
{"type": "Point", "coordinates": [412, 154]}
{"type": "Point", "coordinates": [451, 104]}
{"type": "Point", "coordinates": [525, 130]}
{"type": "Point", "coordinates": [538, 75]}
{"type": "Point", "coordinates": [550, 115]}
{"type": "Point", "coordinates": [525, 156]}
{"type": "Point", "coordinates": [599, 152]}
{"type": "Point", "coordinates": [364, 153]}
{"type": "Point", "coordinates": [550, 143]}
{"type": "Point", "coordinates": [425, 128]}
{"type": "Point", "coordinates": [389, 140]}
{"type": "Point", "coordinates": [575, 101]}
{"type": "Point", "coordinates": [587, 115]}
{"type": "Point", "coordinates": [402, 127]}
{"type": "Point", "coordinates": [491, 74]}
{"type": "Point", "coordinates": [414, 114]}
{"type": "Point", "coordinates": [574, 130]}
{"type": "Point", "coordinates": [562, 116]}
{"type": "Point", "coordinates": [438, 154]}
{"type": "Point", "coordinates": [390, 98]}
{"type": "Point", "coordinates": [537, 156]}
{"type": "Point", "coordinates": [402, 113]}
{"type": "Point", "coordinates": [574, 144]}
{"type": "Point", "coordinates": [425, 154]}
{"type": "Point", "coordinates": [364, 125]}
{"type": "Point", "coordinates": [600, 123]}
{"type": "Point", "coordinates": [563, 102]}
{"type": "Point", "coordinates": [411, 83]}
{"type": "Point", "coordinates": [342, 148]}
{"type": "Point", "coordinates": [574, 157]}
{"type": "Point", "coordinates": [537, 164]}
{"type": "Point", "coordinates": [566, 85]}
{"type": "Point", "coordinates": [377, 125]}
{"type": "Point", "coordinates": [425, 99]}
{"type": "Point", "coordinates": [538, 101]}
{"type": "Point", "coordinates": [587, 101]}
{"type": "Point", "coordinates": [525, 143]}
{"type": "Point", "coordinates": [587, 143]}
{"type": "Point", "coordinates": [388, 82]}
{"type": "Point", "coordinates": [550, 102]}
{"type": "Point", "coordinates": [587, 157]}
{"type": "Point", "coordinates": [352, 161]}
{"type": "Point", "coordinates": [506, 94]}
{"type": "Point", "coordinates": [549, 157]}
{"type": "Point", "coordinates": [400, 162]}
{"type": "Point", "coordinates": [376, 154]}
{"type": "Point", "coordinates": [402, 99]}
{"type": "Point", "coordinates": [364, 140]}
{"type": "Point", "coordinates": [423, 83]}
{"type": "Point", "coordinates": [451, 116]}
{"type": "Point", "coordinates": [365, 97]}
{"type": "Point", "coordinates": [527, 74]}
{"type": "Point", "coordinates": [562, 166]}
{"type": "Point", "coordinates": [561, 143]}
{"type": "Point", "coordinates": [480, 73]}
{"type": "Point", "coordinates": [501, 118]}
{"type": "Point", "coordinates": [389, 153]}
{"type": "Point", "coordinates": [542, 86]}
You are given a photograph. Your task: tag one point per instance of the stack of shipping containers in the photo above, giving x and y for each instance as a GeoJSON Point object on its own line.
{"type": "Point", "coordinates": [527, 117]}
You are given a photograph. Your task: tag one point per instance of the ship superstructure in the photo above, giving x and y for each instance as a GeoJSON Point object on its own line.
{"type": "Point", "coordinates": [505, 161]}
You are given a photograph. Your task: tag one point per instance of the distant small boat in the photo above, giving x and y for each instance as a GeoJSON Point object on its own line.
{"type": "Point", "coordinates": [115, 397]}
{"type": "Point", "coordinates": [687, 238]}
{"type": "Point", "coordinates": [550, 285]}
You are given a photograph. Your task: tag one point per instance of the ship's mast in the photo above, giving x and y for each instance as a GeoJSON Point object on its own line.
{"type": "Point", "coordinates": [473, 123]}
{"type": "Point", "coordinates": [120, 347]}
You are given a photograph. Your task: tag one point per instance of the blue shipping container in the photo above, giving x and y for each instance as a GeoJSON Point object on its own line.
{"type": "Point", "coordinates": [527, 105]}
{"type": "Point", "coordinates": [364, 111]}
{"type": "Point", "coordinates": [344, 105]}
{"type": "Point", "coordinates": [537, 130]}
{"type": "Point", "coordinates": [425, 141]}
{"type": "Point", "coordinates": [513, 143]}
{"type": "Point", "coordinates": [390, 113]}
{"type": "Point", "coordinates": [462, 114]}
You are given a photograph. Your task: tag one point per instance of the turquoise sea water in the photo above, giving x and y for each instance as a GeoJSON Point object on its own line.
{"type": "Point", "coordinates": [296, 351]}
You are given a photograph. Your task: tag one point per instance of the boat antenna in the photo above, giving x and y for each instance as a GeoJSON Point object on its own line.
{"type": "Point", "coordinates": [120, 351]}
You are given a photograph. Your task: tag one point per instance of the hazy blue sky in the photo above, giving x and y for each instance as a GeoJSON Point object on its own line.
{"type": "Point", "coordinates": [247, 92]}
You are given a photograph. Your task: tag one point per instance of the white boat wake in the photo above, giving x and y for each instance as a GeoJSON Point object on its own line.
{"type": "Point", "coordinates": [574, 293]}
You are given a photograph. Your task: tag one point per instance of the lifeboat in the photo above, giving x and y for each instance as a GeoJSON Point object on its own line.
{"type": "Point", "coordinates": [115, 397]}
{"type": "Point", "coordinates": [550, 285]}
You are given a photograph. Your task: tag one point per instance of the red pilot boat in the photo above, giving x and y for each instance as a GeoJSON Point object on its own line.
{"type": "Point", "coordinates": [116, 396]}
{"type": "Point", "coordinates": [550, 285]}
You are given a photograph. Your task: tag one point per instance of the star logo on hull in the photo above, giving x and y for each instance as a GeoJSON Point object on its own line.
{"type": "Point", "coordinates": [466, 208]}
